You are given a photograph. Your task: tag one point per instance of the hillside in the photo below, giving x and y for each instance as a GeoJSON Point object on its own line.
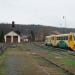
{"type": "Point", "coordinates": [39, 30]}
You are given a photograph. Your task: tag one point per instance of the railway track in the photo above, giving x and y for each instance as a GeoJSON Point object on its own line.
{"type": "Point", "coordinates": [55, 49]}
{"type": "Point", "coordinates": [64, 70]}
{"type": "Point", "coordinates": [67, 72]}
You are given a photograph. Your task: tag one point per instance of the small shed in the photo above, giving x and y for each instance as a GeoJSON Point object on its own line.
{"type": "Point", "coordinates": [12, 37]}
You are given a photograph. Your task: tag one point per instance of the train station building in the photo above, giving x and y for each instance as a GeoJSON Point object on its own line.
{"type": "Point", "coordinates": [12, 37]}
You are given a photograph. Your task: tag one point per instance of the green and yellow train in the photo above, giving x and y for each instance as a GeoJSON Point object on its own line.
{"type": "Point", "coordinates": [62, 41]}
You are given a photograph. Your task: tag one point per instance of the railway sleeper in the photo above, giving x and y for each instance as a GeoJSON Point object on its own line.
{"type": "Point", "coordinates": [66, 71]}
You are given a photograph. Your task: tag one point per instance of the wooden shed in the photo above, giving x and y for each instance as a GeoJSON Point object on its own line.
{"type": "Point", "coordinates": [12, 37]}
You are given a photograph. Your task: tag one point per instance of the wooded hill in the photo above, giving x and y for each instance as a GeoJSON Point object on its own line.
{"type": "Point", "coordinates": [40, 31]}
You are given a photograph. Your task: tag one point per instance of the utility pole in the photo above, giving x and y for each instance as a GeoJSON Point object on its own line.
{"type": "Point", "coordinates": [64, 17]}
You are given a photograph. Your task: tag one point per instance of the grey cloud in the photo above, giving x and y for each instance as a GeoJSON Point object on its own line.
{"type": "Point", "coordinates": [46, 12]}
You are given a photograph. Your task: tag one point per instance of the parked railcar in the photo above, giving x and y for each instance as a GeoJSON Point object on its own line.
{"type": "Point", "coordinates": [62, 41]}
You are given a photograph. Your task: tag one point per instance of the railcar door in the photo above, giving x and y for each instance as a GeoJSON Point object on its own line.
{"type": "Point", "coordinates": [71, 43]}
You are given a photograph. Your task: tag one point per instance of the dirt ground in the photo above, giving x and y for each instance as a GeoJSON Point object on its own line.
{"type": "Point", "coordinates": [27, 59]}
{"type": "Point", "coordinates": [18, 62]}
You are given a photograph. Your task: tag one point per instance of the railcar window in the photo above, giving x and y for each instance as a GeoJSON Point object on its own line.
{"type": "Point", "coordinates": [64, 38]}
{"type": "Point", "coordinates": [57, 38]}
{"type": "Point", "coordinates": [60, 38]}
{"type": "Point", "coordinates": [53, 38]}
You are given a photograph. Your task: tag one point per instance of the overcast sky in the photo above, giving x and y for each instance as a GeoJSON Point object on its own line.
{"type": "Point", "coordinates": [45, 12]}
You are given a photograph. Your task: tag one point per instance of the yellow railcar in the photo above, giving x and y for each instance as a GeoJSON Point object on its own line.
{"type": "Point", "coordinates": [61, 40]}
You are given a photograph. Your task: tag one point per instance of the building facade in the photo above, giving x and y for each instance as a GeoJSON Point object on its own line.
{"type": "Point", "coordinates": [12, 37]}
